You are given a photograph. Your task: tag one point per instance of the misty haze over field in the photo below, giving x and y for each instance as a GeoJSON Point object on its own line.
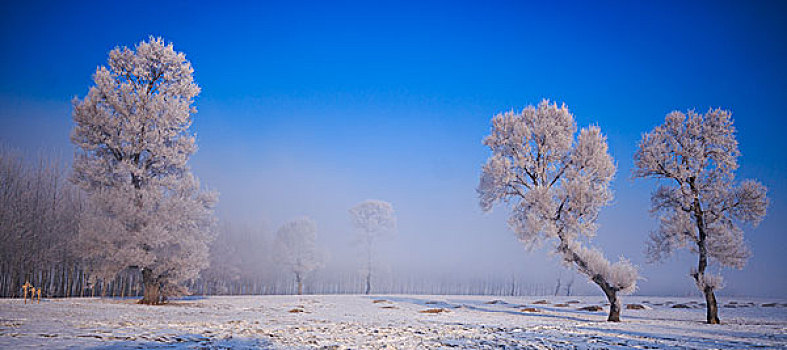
{"type": "Point", "coordinates": [307, 111]}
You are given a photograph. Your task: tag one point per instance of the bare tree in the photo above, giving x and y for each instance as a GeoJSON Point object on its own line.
{"type": "Point", "coordinates": [373, 219]}
{"type": "Point", "coordinates": [569, 285]}
{"type": "Point", "coordinates": [38, 220]}
{"type": "Point", "coordinates": [146, 208]}
{"type": "Point", "coordinates": [555, 185]}
{"type": "Point", "coordinates": [698, 202]}
{"type": "Point", "coordinates": [296, 248]}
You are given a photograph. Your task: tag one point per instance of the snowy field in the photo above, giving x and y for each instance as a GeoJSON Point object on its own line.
{"type": "Point", "coordinates": [388, 322]}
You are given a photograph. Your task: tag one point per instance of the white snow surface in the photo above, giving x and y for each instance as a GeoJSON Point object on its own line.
{"type": "Point", "coordinates": [388, 322]}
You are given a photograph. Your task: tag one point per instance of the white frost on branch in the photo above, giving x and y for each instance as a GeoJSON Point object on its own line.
{"type": "Point", "coordinates": [697, 154]}
{"type": "Point", "coordinates": [622, 275]}
{"type": "Point", "coordinates": [373, 219]}
{"type": "Point", "coordinates": [146, 209]}
{"type": "Point", "coordinates": [296, 246]}
{"type": "Point", "coordinates": [708, 280]}
{"type": "Point", "coordinates": [555, 183]}
{"type": "Point", "coordinates": [698, 204]}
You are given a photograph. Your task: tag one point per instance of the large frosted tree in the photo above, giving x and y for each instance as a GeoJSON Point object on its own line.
{"type": "Point", "coordinates": [698, 202]}
{"type": "Point", "coordinates": [555, 183]}
{"type": "Point", "coordinates": [296, 248]}
{"type": "Point", "coordinates": [373, 220]}
{"type": "Point", "coordinates": [146, 209]}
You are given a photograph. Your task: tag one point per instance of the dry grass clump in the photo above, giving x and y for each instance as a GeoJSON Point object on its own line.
{"type": "Point", "coordinates": [541, 302]}
{"type": "Point", "coordinates": [529, 309]}
{"type": "Point", "coordinates": [433, 311]}
{"type": "Point", "coordinates": [591, 308]}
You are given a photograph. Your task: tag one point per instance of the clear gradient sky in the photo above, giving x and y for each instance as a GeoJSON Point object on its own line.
{"type": "Point", "coordinates": [308, 108]}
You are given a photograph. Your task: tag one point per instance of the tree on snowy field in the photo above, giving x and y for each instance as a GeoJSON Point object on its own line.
{"type": "Point", "coordinates": [296, 248]}
{"type": "Point", "coordinates": [699, 204]}
{"type": "Point", "coordinates": [373, 220]}
{"type": "Point", "coordinates": [555, 185]}
{"type": "Point", "coordinates": [146, 210]}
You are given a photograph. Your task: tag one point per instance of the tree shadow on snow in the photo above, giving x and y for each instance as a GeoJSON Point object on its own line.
{"type": "Point", "coordinates": [189, 297]}
{"type": "Point", "coordinates": [658, 338]}
{"type": "Point", "coordinates": [476, 305]}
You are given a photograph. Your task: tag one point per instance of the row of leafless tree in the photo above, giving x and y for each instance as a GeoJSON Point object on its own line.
{"type": "Point", "coordinates": [39, 232]}
{"type": "Point", "coordinates": [39, 210]}
{"type": "Point", "coordinates": [350, 282]}
{"type": "Point", "coordinates": [40, 244]}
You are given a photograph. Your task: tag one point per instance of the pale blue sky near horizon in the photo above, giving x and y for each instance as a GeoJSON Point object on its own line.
{"type": "Point", "coordinates": [310, 107]}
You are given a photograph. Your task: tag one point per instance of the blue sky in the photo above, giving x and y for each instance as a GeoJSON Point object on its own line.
{"type": "Point", "coordinates": [309, 108]}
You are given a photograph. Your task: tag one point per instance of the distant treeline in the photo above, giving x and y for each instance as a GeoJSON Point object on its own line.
{"type": "Point", "coordinates": [354, 283]}
{"type": "Point", "coordinates": [39, 212]}
{"type": "Point", "coordinates": [39, 243]}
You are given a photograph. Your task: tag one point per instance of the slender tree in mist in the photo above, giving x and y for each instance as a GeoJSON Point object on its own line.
{"type": "Point", "coordinates": [146, 210]}
{"type": "Point", "coordinates": [698, 202]}
{"type": "Point", "coordinates": [228, 260]}
{"type": "Point", "coordinates": [555, 185]}
{"type": "Point", "coordinates": [296, 248]}
{"type": "Point", "coordinates": [373, 220]}
{"type": "Point", "coordinates": [569, 285]}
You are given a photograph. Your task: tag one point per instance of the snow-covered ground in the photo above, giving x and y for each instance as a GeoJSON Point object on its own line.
{"type": "Point", "coordinates": [388, 322]}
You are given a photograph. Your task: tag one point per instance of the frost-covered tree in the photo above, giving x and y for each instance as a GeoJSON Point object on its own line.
{"type": "Point", "coordinates": [296, 248]}
{"type": "Point", "coordinates": [146, 210]}
{"type": "Point", "coordinates": [226, 260]}
{"type": "Point", "coordinates": [555, 183]}
{"type": "Point", "coordinates": [373, 219]}
{"type": "Point", "coordinates": [698, 202]}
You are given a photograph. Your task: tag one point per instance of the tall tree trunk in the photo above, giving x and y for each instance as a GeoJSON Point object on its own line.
{"type": "Point", "coordinates": [612, 297]}
{"type": "Point", "coordinates": [609, 291]}
{"type": "Point", "coordinates": [710, 299]}
{"type": "Point", "coordinates": [712, 308]}
{"type": "Point", "coordinates": [368, 283]}
{"type": "Point", "coordinates": [368, 267]}
{"type": "Point", "coordinates": [152, 288]}
{"type": "Point", "coordinates": [614, 307]}
{"type": "Point", "coordinates": [568, 286]}
{"type": "Point", "coordinates": [300, 283]}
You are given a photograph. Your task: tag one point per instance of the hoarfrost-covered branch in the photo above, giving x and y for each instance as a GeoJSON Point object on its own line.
{"type": "Point", "coordinates": [699, 205]}
{"type": "Point", "coordinates": [373, 219]}
{"type": "Point", "coordinates": [296, 248]}
{"type": "Point", "coordinates": [146, 209]}
{"type": "Point", "coordinates": [555, 184]}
